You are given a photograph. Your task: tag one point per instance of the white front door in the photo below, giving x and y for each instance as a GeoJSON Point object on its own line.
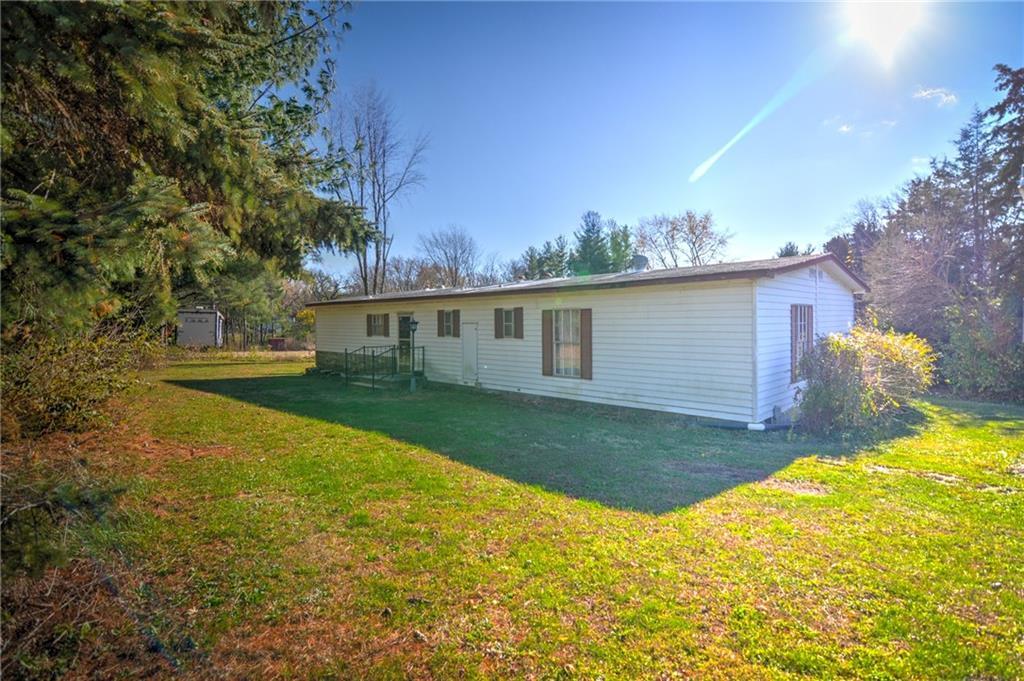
{"type": "Point", "coordinates": [469, 355]}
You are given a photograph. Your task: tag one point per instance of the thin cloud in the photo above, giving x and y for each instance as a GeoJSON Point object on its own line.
{"type": "Point", "coordinates": [941, 95]}
{"type": "Point", "coordinates": [836, 123]}
{"type": "Point", "coordinates": [889, 124]}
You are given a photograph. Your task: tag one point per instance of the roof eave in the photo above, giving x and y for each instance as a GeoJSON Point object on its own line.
{"type": "Point", "coordinates": [755, 273]}
{"type": "Point", "coordinates": [697, 278]}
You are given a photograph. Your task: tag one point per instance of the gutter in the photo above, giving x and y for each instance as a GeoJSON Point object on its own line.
{"type": "Point", "coordinates": [568, 288]}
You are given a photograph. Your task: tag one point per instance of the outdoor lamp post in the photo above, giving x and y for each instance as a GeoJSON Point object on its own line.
{"type": "Point", "coordinates": [412, 354]}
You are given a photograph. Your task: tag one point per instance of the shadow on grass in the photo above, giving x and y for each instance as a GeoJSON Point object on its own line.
{"type": "Point", "coordinates": [623, 458]}
{"type": "Point", "coordinates": [201, 364]}
{"type": "Point", "coordinates": [1003, 417]}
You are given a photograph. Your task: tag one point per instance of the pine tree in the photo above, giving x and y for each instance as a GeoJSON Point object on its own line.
{"type": "Point", "coordinates": [559, 264]}
{"type": "Point", "coordinates": [591, 254]}
{"type": "Point", "coordinates": [554, 258]}
{"type": "Point", "coordinates": [1007, 138]}
{"type": "Point", "coordinates": [532, 264]}
{"type": "Point", "coordinates": [146, 144]}
{"type": "Point", "coordinates": [620, 246]}
{"type": "Point", "coordinates": [789, 249]}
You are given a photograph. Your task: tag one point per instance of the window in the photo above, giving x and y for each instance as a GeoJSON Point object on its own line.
{"type": "Point", "coordinates": [801, 336]}
{"type": "Point", "coordinates": [567, 343]}
{"type": "Point", "coordinates": [377, 325]}
{"type": "Point", "coordinates": [509, 323]}
{"type": "Point", "coordinates": [448, 323]}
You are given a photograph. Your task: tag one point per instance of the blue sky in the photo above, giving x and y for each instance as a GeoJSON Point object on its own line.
{"type": "Point", "coordinates": [539, 112]}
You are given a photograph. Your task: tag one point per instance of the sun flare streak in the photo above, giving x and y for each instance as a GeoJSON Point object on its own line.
{"type": "Point", "coordinates": [816, 65]}
{"type": "Point", "coordinates": [882, 26]}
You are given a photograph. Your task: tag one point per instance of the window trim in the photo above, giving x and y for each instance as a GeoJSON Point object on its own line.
{"type": "Point", "coordinates": [575, 328]}
{"type": "Point", "coordinates": [378, 325]}
{"type": "Point", "coordinates": [801, 337]}
{"type": "Point", "coordinates": [508, 322]}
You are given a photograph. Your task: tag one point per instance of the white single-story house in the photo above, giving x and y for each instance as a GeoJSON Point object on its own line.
{"type": "Point", "coordinates": [200, 327]}
{"type": "Point", "coordinates": [720, 341]}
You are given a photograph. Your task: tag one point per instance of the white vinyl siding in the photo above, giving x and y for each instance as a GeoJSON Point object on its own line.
{"type": "Point", "coordinates": [833, 313]}
{"type": "Point", "coordinates": [683, 348]}
{"type": "Point", "coordinates": [678, 348]}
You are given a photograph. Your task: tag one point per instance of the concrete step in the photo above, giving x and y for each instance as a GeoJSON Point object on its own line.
{"type": "Point", "coordinates": [361, 384]}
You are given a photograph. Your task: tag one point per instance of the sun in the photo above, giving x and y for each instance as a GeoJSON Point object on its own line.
{"type": "Point", "coordinates": [883, 26]}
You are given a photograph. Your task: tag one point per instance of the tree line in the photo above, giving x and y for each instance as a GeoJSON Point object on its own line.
{"type": "Point", "coordinates": [158, 159]}
{"type": "Point", "coordinates": [944, 253]}
{"type": "Point", "coordinates": [450, 257]}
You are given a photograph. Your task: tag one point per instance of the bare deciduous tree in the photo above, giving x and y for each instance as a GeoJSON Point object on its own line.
{"type": "Point", "coordinates": [490, 272]}
{"type": "Point", "coordinates": [411, 274]}
{"type": "Point", "coordinates": [680, 240]}
{"type": "Point", "coordinates": [454, 253]}
{"type": "Point", "coordinates": [910, 282]}
{"type": "Point", "coordinates": [324, 285]}
{"type": "Point", "coordinates": [382, 166]}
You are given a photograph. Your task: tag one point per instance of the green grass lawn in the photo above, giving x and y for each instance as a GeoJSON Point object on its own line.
{"type": "Point", "coordinates": [289, 526]}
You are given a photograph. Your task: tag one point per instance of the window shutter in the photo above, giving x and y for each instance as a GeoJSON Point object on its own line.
{"type": "Point", "coordinates": [586, 347]}
{"type": "Point", "coordinates": [547, 342]}
{"type": "Point", "coordinates": [456, 323]}
{"type": "Point", "coordinates": [792, 342]}
{"type": "Point", "coordinates": [810, 327]}
{"type": "Point", "coordinates": [369, 325]}
{"type": "Point", "coordinates": [387, 325]}
{"type": "Point", "coordinates": [440, 323]}
{"type": "Point", "coordinates": [499, 323]}
{"type": "Point", "coordinates": [517, 317]}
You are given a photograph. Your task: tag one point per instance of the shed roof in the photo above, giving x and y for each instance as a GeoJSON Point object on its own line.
{"type": "Point", "coordinates": [199, 310]}
{"type": "Point", "coordinates": [750, 269]}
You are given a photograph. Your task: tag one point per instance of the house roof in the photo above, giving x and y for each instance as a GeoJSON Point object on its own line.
{"type": "Point", "coordinates": [199, 310]}
{"type": "Point", "coordinates": [750, 269]}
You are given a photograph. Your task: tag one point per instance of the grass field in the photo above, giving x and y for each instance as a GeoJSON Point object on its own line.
{"type": "Point", "coordinates": [273, 524]}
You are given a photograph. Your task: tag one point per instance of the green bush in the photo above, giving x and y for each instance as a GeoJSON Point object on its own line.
{"type": "Point", "coordinates": [857, 380]}
{"type": "Point", "coordinates": [53, 384]}
{"type": "Point", "coordinates": [36, 515]}
{"type": "Point", "coordinates": [984, 358]}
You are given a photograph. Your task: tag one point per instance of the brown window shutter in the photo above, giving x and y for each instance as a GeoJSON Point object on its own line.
{"type": "Point", "coordinates": [369, 325]}
{"type": "Point", "coordinates": [456, 323]}
{"type": "Point", "coordinates": [499, 323]}
{"type": "Point", "coordinates": [517, 319]}
{"type": "Point", "coordinates": [586, 347]}
{"type": "Point", "coordinates": [387, 325]}
{"type": "Point", "coordinates": [440, 323]}
{"type": "Point", "coordinates": [547, 343]}
{"type": "Point", "coordinates": [810, 327]}
{"type": "Point", "coordinates": [792, 342]}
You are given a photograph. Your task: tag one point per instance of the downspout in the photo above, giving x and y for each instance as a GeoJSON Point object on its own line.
{"type": "Point", "coordinates": [754, 423]}
{"type": "Point", "coordinates": [818, 274]}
